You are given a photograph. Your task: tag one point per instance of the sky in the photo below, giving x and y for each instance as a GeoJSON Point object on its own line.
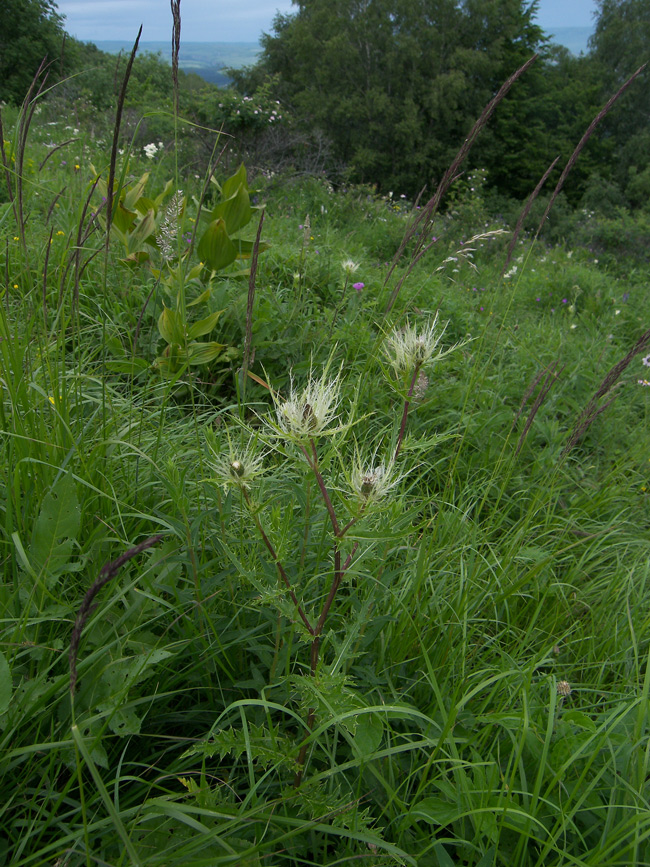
{"type": "Point", "coordinates": [228, 21]}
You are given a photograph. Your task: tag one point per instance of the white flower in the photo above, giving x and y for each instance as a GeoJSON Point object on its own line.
{"type": "Point", "coordinates": [646, 361]}
{"type": "Point", "coordinates": [349, 266]}
{"type": "Point", "coordinates": [408, 347]}
{"type": "Point", "coordinates": [150, 150]}
{"type": "Point", "coordinates": [616, 312]}
{"type": "Point", "coordinates": [372, 481]}
{"type": "Point", "coordinates": [309, 411]}
{"type": "Point", "coordinates": [573, 326]}
{"type": "Point", "coordinates": [236, 467]}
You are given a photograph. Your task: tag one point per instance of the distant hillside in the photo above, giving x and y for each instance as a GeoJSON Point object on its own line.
{"type": "Point", "coordinates": [206, 59]}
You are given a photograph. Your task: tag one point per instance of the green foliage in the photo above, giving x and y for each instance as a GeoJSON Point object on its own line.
{"type": "Point", "coordinates": [146, 228]}
{"type": "Point", "coordinates": [478, 693]}
{"type": "Point", "coordinates": [620, 45]}
{"type": "Point", "coordinates": [365, 76]}
{"type": "Point", "coordinates": [30, 31]}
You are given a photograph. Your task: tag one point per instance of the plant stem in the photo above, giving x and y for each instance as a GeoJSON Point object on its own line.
{"type": "Point", "coordinates": [400, 436]}
{"type": "Point", "coordinates": [313, 464]}
{"type": "Point", "coordinates": [277, 562]}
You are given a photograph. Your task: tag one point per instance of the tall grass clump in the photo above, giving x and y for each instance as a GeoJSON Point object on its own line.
{"type": "Point", "coordinates": [293, 572]}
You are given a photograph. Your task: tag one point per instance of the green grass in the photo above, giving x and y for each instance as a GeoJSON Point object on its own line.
{"type": "Point", "coordinates": [432, 728]}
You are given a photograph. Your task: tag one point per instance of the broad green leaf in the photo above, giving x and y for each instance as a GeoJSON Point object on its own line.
{"type": "Point", "coordinates": [245, 248]}
{"type": "Point", "coordinates": [171, 327]}
{"type": "Point", "coordinates": [215, 248]}
{"type": "Point", "coordinates": [129, 366]}
{"type": "Point", "coordinates": [577, 718]}
{"type": "Point", "coordinates": [204, 353]}
{"type": "Point", "coordinates": [145, 204]}
{"type": "Point", "coordinates": [135, 192]}
{"type": "Point", "coordinates": [56, 528]}
{"type": "Point", "coordinates": [195, 272]}
{"type": "Point", "coordinates": [5, 683]}
{"type": "Point", "coordinates": [161, 197]}
{"type": "Point", "coordinates": [201, 298]}
{"type": "Point", "coordinates": [145, 229]}
{"type": "Point", "coordinates": [204, 326]}
{"type": "Point", "coordinates": [235, 211]}
{"type": "Point", "coordinates": [123, 219]}
{"type": "Point", "coordinates": [230, 185]}
{"type": "Point", "coordinates": [368, 734]}
{"type": "Point", "coordinates": [436, 811]}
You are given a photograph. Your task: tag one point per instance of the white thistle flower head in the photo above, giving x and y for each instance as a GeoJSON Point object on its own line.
{"type": "Point", "coordinates": [408, 348]}
{"type": "Point", "coordinates": [372, 481]}
{"type": "Point", "coordinates": [236, 467]}
{"type": "Point", "coordinates": [349, 267]}
{"type": "Point", "coordinates": [308, 412]}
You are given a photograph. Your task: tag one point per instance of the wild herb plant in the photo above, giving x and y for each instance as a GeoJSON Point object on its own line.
{"type": "Point", "coordinates": [302, 420]}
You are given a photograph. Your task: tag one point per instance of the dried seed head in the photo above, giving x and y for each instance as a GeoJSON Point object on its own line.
{"type": "Point", "coordinates": [349, 267]}
{"type": "Point", "coordinates": [563, 688]}
{"type": "Point", "coordinates": [237, 469]}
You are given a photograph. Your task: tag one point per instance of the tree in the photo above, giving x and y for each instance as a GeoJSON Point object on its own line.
{"type": "Point", "coordinates": [620, 45]}
{"type": "Point", "coordinates": [30, 30]}
{"type": "Point", "coordinates": [397, 84]}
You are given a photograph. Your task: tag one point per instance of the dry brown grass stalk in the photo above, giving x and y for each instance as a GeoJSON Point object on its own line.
{"type": "Point", "coordinates": [594, 408]}
{"type": "Point", "coordinates": [423, 222]}
{"type": "Point", "coordinates": [583, 141]}
{"type": "Point", "coordinates": [524, 213]}
{"type": "Point", "coordinates": [176, 44]}
{"type": "Point", "coordinates": [107, 573]}
{"type": "Point", "coordinates": [116, 136]}
{"type": "Point", "coordinates": [548, 377]}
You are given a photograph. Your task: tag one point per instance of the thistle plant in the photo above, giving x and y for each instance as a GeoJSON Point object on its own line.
{"type": "Point", "coordinates": [296, 428]}
{"type": "Point", "coordinates": [410, 351]}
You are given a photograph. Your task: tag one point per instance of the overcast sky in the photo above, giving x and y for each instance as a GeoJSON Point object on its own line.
{"type": "Point", "coordinates": [228, 21]}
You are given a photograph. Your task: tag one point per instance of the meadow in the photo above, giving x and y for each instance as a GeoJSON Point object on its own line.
{"type": "Point", "coordinates": [324, 532]}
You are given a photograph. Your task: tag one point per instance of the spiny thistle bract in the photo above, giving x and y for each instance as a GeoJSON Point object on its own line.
{"type": "Point", "coordinates": [235, 467]}
{"type": "Point", "coordinates": [309, 411]}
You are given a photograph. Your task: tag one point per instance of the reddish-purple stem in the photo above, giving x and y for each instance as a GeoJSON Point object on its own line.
{"type": "Point", "coordinates": [313, 463]}
{"type": "Point", "coordinates": [277, 562]}
{"type": "Point", "coordinates": [407, 402]}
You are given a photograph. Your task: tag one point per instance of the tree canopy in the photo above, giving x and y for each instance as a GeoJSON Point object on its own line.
{"type": "Point", "coordinates": [397, 83]}
{"type": "Point", "coordinates": [30, 30]}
